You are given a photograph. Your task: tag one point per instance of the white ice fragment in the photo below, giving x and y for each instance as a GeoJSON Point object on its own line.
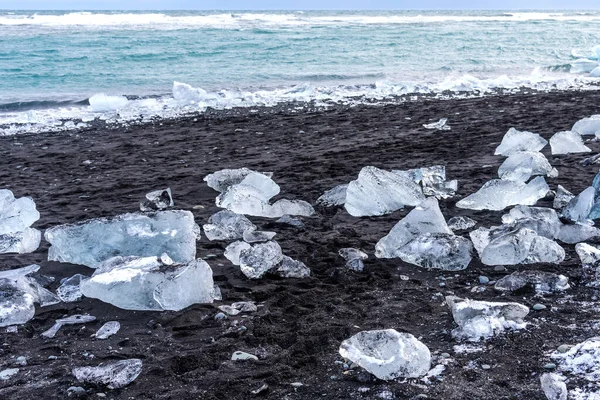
{"type": "Point", "coordinates": [540, 281]}
{"type": "Point", "coordinates": [290, 207]}
{"type": "Point", "coordinates": [8, 373]}
{"type": "Point", "coordinates": [72, 320]}
{"type": "Point", "coordinates": [579, 207]}
{"type": "Point", "coordinates": [227, 225]}
{"type": "Point", "coordinates": [567, 142]}
{"type": "Point", "coordinates": [103, 103]}
{"type": "Point", "coordinates": [497, 194]}
{"type": "Point", "coordinates": [515, 141]}
{"type": "Point", "coordinates": [379, 192]}
{"type": "Point", "coordinates": [388, 354]}
{"type": "Point", "coordinates": [23, 242]}
{"type": "Point", "coordinates": [290, 268]}
{"type": "Point", "coordinates": [441, 125]}
{"type": "Point", "coordinates": [437, 250]}
{"type": "Point", "coordinates": [334, 197]}
{"type": "Point", "coordinates": [233, 251]}
{"type": "Point", "coordinates": [553, 386]}
{"type": "Point", "coordinates": [562, 197]}
{"type": "Point", "coordinates": [582, 360]}
{"type": "Point", "coordinates": [433, 181]}
{"type": "Point", "coordinates": [223, 179]}
{"type": "Point", "coordinates": [112, 374]}
{"type": "Point", "coordinates": [70, 290]}
{"type": "Point", "coordinates": [483, 319]}
{"type": "Point", "coordinates": [157, 200]}
{"type": "Point", "coordinates": [16, 217]}
{"type": "Point", "coordinates": [91, 242]}
{"type": "Point", "coordinates": [587, 253]}
{"type": "Point", "coordinates": [522, 165]}
{"type": "Point", "coordinates": [240, 355]}
{"type": "Point", "coordinates": [260, 258]}
{"type": "Point", "coordinates": [251, 235]}
{"type": "Point", "coordinates": [354, 258]}
{"type": "Point", "coordinates": [107, 330]}
{"type": "Point", "coordinates": [544, 221]}
{"type": "Point", "coordinates": [587, 126]}
{"type": "Point", "coordinates": [576, 233]}
{"type": "Point", "coordinates": [249, 200]}
{"type": "Point", "coordinates": [461, 223]}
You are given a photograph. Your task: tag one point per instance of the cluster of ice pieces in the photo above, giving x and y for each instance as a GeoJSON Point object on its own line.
{"type": "Point", "coordinates": [112, 374]}
{"type": "Point", "coordinates": [258, 259]}
{"type": "Point", "coordinates": [244, 191]}
{"type": "Point", "coordinates": [423, 238]}
{"type": "Point", "coordinates": [157, 200]}
{"type": "Point", "coordinates": [388, 354]}
{"type": "Point", "coordinates": [16, 218]}
{"type": "Point", "coordinates": [483, 319]}
{"type": "Point", "coordinates": [94, 241]}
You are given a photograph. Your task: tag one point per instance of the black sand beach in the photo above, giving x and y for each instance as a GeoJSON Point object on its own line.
{"type": "Point", "coordinates": [300, 324]}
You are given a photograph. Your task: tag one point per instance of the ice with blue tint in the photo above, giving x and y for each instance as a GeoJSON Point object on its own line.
{"type": "Point", "coordinates": [515, 141]}
{"type": "Point", "coordinates": [16, 217]}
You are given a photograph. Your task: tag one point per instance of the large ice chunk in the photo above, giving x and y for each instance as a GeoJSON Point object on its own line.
{"type": "Point", "coordinates": [498, 194]}
{"type": "Point", "coordinates": [562, 197]}
{"type": "Point", "coordinates": [112, 374]}
{"type": "Point", "coordinates": [522, 165]}
{"type": "Point", "coordinates": [515, 141]}
{"type": "Point", "coordinates": [544, 221]}
{"type": "Point", "coordinates": [91, 242]}
{"type": "Point", "coordinates": [567, 142]}
{"type": "Point", "coordinates": [260, 258]}
{"type": "Point", "coordinates": [553, 386]}
{"type": "Point", "coordinates": [16, 217]}
{"type": "Point", "coordinates": [157, 200]}
{"type": "Point", "coordinates": [222, 180]}
{"type": "Point", "coordinates": [587, 126]}
{"type": "Point", "coordinates": [483, 319]}
{"type": "Point", "coordinates": [150, 283]}
{"type": "Point", "coordinates": [437, 250]}
{"type": "Point", "coordinates": [334, 197]}
{"type": "Point", "coordinates": [227, 225]}
{"type": "Point", "coordinates": [540, 281]}
{"type": "Point", "coordinates": [379, 192]}
{"type": "Point", "coordinates": [388, 354]}
{"type": "Point", "coordinates": [579, 208]}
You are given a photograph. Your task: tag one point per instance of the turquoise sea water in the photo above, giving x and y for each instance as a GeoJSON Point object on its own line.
{"type": "Point", "coordinates": [51, 63]}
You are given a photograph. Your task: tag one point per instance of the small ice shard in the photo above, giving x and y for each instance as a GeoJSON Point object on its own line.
{"type": "Point", "coordinates": [157, 200]}
{"type": "Point", "coordinates": [441, 125]}
{"type": "Point", "coordinates": [508, 245]}
{"type": "Point", "coordinates": [226, 225]}
{"type": "Point", "coordinates": [291, 207]}
{"type": "Point", "coordinates": [288, 220]}
{"type": "Point", "coordinates": [587, 126]}
{"type": "Point", "coordinates": [590, 260]}
{"type": "Point", "coordinates": [568, 142]}
{"type": "Point", "coordinates": [544, 221]}
{"type": "Point", "coordinates": [580, 206]}
{"type": "Point", "coordinates": [540, 281]}
{"type": "Point", "coordinates": [437, 250]}
{"type": "Point", "coordinates": [582, 360]}
{"type": "Point", "coordinates": [150, 283]}
{"type": "Point", "coordinates": [290, 268]}
{"type": "Point", "coordinates": [576, 233]}
{"type": "Point", "coordinates": [388, 354]}
{"type": "Point", "coordinates": [498, 194]}
{"type": "Point", "coordinates": [112, 374]}
{"type": "Point", "coordinates": [553, 386]}
{"type": "Point", "coordinates": [461, 223]}
{"type": "Point", "coordinates": [8, 373]}
{"type": "Point", "coordinates": [16, 217]}
{"type": "Point", "coordinates": [590, 160]}
{"type": "Point", "coordinates": [522, 165]}
{"type": "Point", "coordinates": [251, 235]}
{"type": "Point", "coordinates": [240, 355]}
{"type": "Point", "coordinates": [233, 251]}
{"type": "Point", "coordinates": [515, 141]}
{"type": "Point", "coordinates": [222, 180]}
{"type": "Point", "coordinates": [433, 180]}
{"type": "Point", "coordinates": [72, 320]}
{"type": "Point", "coordinates": [91, 242]}
{"type": "Point", "coordinates": [260, 258]}
{"type": "Point", "coordinates": [216, 294]}
{"type": "Point", "coordinates": [245, 306]}
{"type": "Point", "coordinates": [107, 330]}
{"type": "Point", "coordinates": [425, 218]}
{"type": "Point", "coordinates": [379, 192]}
{"type": "Point", "coordinates": [562, 198]}
{"type": "Point", "coordinates": [70, 290]}
{"type": "Point", "coordinates": [23, 242]}
{"type": "Point", "coordinates": [582, 66]}
{"type": "Point", "coordinates": [483, 319]}
{"type": "Point", "coordinates": [354, 258]}
{"type": "Point", "coordinates": [334, 197]}
{"type": "Point", "coordinates": [18, 293]}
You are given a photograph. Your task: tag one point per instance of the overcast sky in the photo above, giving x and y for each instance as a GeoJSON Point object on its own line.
{"type": "Point", "coordinates": [293, 4]}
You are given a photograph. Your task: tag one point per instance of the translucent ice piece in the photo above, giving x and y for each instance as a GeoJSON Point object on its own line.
{"type": "Point", "coordinates": [437, 250]}
{"type": "Point", "coordinates": [334, 197]}
{"type": "Point", "coordinates": [226, 225]}
{"type": "Point", "coordinates": [233, 251]}
{"type": "Point", "coordinates": [483, 319]}
{"type": "Point", "coordinates": [16, 214]}
{"type": "Point", "coordinates": [157, 200]}
{"type": "Point", "coordinates": [291, 207]}
{"type": "Point", "coordinates": [544, 221]}
{"type": "Point", "coordinates": [251, 235]}
{"type": "Point", "coordinates": [498, 194]}
{"type": "Point", "coordinates": [72, 320]}
{"type": "Point", "coordinates": [515, 141]}
{"type": "Point", "coordinates": [576, 233]}
{"type": "Point", "coordinates": [112, 374]}
{"type": "Point", "coordinates": [461, 223]}
{"type": "Point", "coordinates": [562, 197]}
{"type": "Point", "coordinates": [580, 206]}
{"type": "Point", "coordinates": [221, 180]}
{"type": "Point", "coordinates": [388, 354]}
{"type": "Point", "coordinates": [522, 165]}
{"type": "Point", "coordinates": [540, 281]}
{"type": "Point", "coordinates": [567, 142]}
{"type": "Point", "coordinates": [354, 258]}
{"type": "Point", "coordinates": [26, 241]}
{"type": "Point", "coordinates": [91, 242]}
{"type": "Point", "coordinates": [70, 290]}
{"type": "Point", "coordinates": [433, 180]}
{"type": "Point", "coordinates": [290, 268]}
{"type": "Point", "coordinates": [248, 200]}
{"type": "Point", "coordinates": [553, 386]}
{"type": "Point", "coordinates": [441, 125]}
{"type": "Point", "coordinates": [259, 259]}
{"type": "Point", "coordinates": [425, 218]}
{"type": "Point", "coordinates": [587, 126]}
{"type": "Point", "coordinates": [379, 192]}
{"type": "Point", "coordinates": [288, 220]}
{"type": "Point", "coordinates": [107, 330]}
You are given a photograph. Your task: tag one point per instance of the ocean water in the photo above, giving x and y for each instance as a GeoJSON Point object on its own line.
{"type": "Point", "coordinates": [61, 70]}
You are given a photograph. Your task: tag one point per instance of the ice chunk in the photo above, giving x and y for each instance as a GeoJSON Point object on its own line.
{"type": "Point", "coordinates": [583, 65]}
{"type": "Point", "coordinates": [23, 242]}
{"type": "Point", "coordinates": [251, 235]}
{"type": "Point", "coordinates": [540, 281]}
{"type": "Point", "coordinates": [595, 159]}
{"type": "Point", "coordinates": [567, 142]}
{"type": "Point", "coordinates": [522, 165]}
{"type": "Point", "coordinates": [587, 126]}
{"type": "Point", "coordinates": [259, 259]}
{"type": "Point", "coordinates": [576, 233]}
{"type": "Point", "coordinates": [72, 320]}
{"type": "Point", "coordinates": [595, 73]}
{"type": "Point", "coordinates": [579, 208]}
{"type": "Point", "coordinates": [498, 194]}
{"type": "Point", "coordinates": [227, 225]}
{"type": "Point", "coordinates": [290, 268]}
{"type": "Point", "coordinates": [245, 199]}
{"type": "Point", "coordinates": [70, 290]}
{"type": "Point", "coordinates": [582, 360]}
{"type": "Point", "coordinates": [553, 386]}
{"type": "Point", "coordinates": [222, 180]}
{"type": "Point", "coordinates": [233, 251]}
{"type": "Point", "coordinates": [483, 319]}
{"type": "Point", "coordinates": [515, 141]}
{"type": "Point", "coordinates": [8, 373]}
{"type": "Point", "coordinates": [508, 245]}
{"type": "Point", "coordinates": [290, 207]}
{"type": "Point", "coordinates": [91, 242]}
{"type": "Point", "coordinates": [562, 197]}
{"type": "Point", "coordinates": [433, 180]}
{"type": "Point", "coordinates": [112, 374]}
{"type": "Point", "coordinates": [379, 192]}
{"type": "Point", "coordinates": [16, 217]}
{"type": "Point", "coordinates": [388, 354]}
{"type": "Point", "coordinates": [437, 250]}
{"type": "Point", "coordinates": [148, 283]}
{"type": "Point", "coordinates": [288, 220]}
{"type": "Point", "coordinates": [441, 125]}
{"type": "Point", "coordinates": [425, 218]}
{"type": "Point", "coordinates": [590, 260]}
{"type": "Point", "coordinates": [544, 221]}
{"type": "Point", "coordinates": [334, 197]}
{"type": "Point", "coordinates": [461, 223]}
{"type": "Point", "coordinates": [103, 103]}
{"type": "Point", "coordinates": [107, 330]}
{"type": "Point", "coordinates": [157, 200]}
{"type": "Point", "coordinates": [354, 258]}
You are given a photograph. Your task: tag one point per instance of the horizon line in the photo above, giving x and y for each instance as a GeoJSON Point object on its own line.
{"type": "Point", "coordinates": [301, 9]}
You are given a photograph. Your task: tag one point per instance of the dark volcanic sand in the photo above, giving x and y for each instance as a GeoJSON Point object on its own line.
{"type": "Point", "coordinates": [300, 323]}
